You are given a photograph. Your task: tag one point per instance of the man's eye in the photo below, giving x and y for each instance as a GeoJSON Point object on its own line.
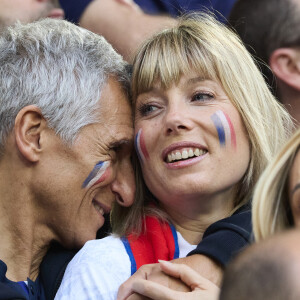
{"type": "Point", "coordinates": [202, 97]}
{"type": "Point", "coordinates": [147, 109]}
{"type": "Point", "coordinates": [116, 149]}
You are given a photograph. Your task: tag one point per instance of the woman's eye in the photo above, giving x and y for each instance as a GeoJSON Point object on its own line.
{"type": "Point", "coordinates": [147, 109]}
{"type": "Point", "coordinates": [202, 97]}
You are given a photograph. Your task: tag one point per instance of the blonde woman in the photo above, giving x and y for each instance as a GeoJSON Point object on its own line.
{"type": "Point", "coordinates": [276, 197]}
{"type": "Point", "coordinates": [206, 126]}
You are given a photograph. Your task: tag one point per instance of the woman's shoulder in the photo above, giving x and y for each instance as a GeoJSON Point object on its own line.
{"type": "Point", "coordinates": [96, 271]}
{"type": "Point", "coordinates": [95, 250]}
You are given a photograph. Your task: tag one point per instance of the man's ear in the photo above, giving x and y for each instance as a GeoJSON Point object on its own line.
{"type": "Point", "coordinates": [285, 63]}
{"type": "Point", "coordinates": [29, 125]}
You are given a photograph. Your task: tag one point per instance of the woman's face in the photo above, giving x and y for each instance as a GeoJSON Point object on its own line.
{"type": "Point", "coordinates": [294, 189]}
{"type": "Point", "coordinates": [190, 140]}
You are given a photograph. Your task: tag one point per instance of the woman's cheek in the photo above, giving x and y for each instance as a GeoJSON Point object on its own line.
{"type": "Point", "coordinates": [140, 146]}
{"type": "Point", "coordinates": [225, 129]}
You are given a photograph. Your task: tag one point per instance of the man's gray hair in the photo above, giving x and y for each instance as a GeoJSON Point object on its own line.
{"type": "Point", "coordinates": [59, 67]}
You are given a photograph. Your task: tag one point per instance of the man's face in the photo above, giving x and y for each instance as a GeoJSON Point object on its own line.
{"type": "Point", "coordinates": [77, 185]}
{"type": "Point", "coordinates": [27, 11]}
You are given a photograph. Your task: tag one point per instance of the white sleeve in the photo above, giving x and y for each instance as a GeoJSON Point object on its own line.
{"type": "Point", "coordinates": [96, 271]}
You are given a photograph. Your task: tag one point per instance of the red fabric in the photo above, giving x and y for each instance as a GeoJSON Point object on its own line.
{"type": "Point", "coordinates": [157, 243]}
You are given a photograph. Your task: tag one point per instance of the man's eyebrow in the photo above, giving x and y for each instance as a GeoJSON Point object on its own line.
{"type": "Point", "coordinates": [121, 142]}
{"type": "Point", "coordinates": [297, 186]}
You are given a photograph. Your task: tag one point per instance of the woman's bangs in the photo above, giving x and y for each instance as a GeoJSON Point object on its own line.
{"type": "Point", "coordinates": [170, 55]}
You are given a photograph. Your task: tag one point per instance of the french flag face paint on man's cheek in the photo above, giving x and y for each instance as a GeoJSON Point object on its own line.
{"type": "Point", "coordinates": [224, 128]}
{"type": "Point", "coordinates": [140, 146]}
{"type": "Point", "coordinates": [97, 175]}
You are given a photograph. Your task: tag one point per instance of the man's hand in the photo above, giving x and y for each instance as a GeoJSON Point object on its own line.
{"type": "Point", "coordinates": [204, 266]}
{"type": "Point", "coordinates": [151, 272]}
{"type": "Point", "coordinates": [200, 263]}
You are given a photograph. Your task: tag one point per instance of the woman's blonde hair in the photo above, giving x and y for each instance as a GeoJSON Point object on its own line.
{"type": "Point", "coordinates": [271, 208]}
{"type": "Point", "coordinates": [200, 43]}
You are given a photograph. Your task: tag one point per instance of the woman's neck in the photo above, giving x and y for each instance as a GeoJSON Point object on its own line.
{"type": "Point", "coordinates": [193, 217]}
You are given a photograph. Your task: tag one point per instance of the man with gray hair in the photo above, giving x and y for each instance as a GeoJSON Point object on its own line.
{"type": "Point", "coordinates": [65, 139]}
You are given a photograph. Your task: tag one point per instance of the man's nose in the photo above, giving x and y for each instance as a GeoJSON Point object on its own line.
{"type": "Point", "coordinates": [123, 186]}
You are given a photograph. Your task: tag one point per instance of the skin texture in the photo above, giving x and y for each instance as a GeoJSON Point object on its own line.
{"type": "Point", "coordinates": [201, 264]}
{"type": "Point", "coordinates": [285, 64]}
{"type": "Point", "coordinates": [294, 189]}
{"type": "Point", "coordinates": [44, 178]}
{"type": "Point", "coordinates": [27, 11]}
{"type": "Point", "coordinates": [200, 287]}
{"type": "Point", "coordinates": [122, 23]}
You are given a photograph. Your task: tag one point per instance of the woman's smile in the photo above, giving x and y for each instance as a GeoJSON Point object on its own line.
{"type": "Point", "coordinates": [183, 154]}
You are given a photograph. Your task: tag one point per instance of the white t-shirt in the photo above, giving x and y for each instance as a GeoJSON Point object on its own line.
{"type": "Point", "coordinates": [100, 267]}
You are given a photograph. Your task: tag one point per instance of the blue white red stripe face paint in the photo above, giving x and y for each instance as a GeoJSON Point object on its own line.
{"type": "Point", "coordinates": [224, 128]}
{"type": "Point", "coordinates": [97, 175]}
{"type": "Point", "coordinates": [140, 146]}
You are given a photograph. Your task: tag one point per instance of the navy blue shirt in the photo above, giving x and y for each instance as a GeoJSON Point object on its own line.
{"type": "Point", "coordinates": [74, 8]}
{"type": "Point", "coordinates": [14, 290]}
{"type": "Point", "coordinates": [222, 240]}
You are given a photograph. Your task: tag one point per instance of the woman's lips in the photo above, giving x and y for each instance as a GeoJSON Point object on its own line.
{"type": "Point", "coordinates": [182, 151]}
{"type": "Point", "coordinates": [185, 163]}
{"type": "Point", "coordinates": [183, 154]}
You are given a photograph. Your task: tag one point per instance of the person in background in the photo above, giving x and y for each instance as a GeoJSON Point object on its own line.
{"type": "Point", "coordinates": [27, 11]}
{"type": "Point", "coordinates": [266, 270]}
{"type": "Point", "coordinates": [66, 137]}
{"type": "Point", "coordinates": [276, 198]}
{"type": "Point", "coordinates": [269, 30]}
{"type": "Point", "coordinates": [204, 132]}
{"type": "Point", "coordinates": [127, 23]}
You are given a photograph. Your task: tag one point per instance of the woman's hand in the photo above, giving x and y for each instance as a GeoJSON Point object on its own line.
{"type": "Point", "coordinates": [200, 287]}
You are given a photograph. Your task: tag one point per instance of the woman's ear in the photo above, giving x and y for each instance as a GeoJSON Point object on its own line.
{"type": "Point", "coordinates": [285, 64]}
{"type": "Point", "coordinates": [29, 125]}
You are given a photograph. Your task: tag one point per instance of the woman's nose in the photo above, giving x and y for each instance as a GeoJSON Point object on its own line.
{"type": "Point", "coordinates": [177, 119]}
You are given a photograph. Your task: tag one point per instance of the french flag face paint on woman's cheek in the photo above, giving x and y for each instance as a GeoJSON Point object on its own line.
{"type": "Point", "coordinates": [224, 128]}
{"type": "Point", "coordinates": [97, 175]}
{"type": "Point", "coordinates": [232, 136]}
{"type": "Point", "coordinates": [140, 146]}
